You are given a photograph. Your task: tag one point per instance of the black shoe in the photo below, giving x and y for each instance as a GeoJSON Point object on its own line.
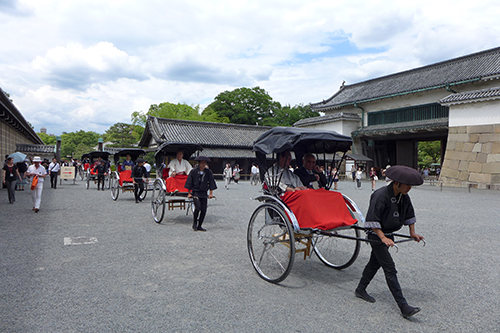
{"type": "Point", "coordinates": [201, 229]}
{"type": "Point", "coordinates": [195, 228]}
{"type": "Point", "coordinates": [36, 210]}
{"type": "Point", "coordinates": [360, 293]}
{"type": "Point", "coordinates": [408, 311]}
{"type": "Point", "coordinates": [137, 201]}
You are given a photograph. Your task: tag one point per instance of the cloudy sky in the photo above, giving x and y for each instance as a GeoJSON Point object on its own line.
{"type": "Point", "coordinates": [87, 64]}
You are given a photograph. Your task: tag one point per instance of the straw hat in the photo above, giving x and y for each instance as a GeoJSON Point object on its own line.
{"type": "Point", "coordinates": [404, 175]}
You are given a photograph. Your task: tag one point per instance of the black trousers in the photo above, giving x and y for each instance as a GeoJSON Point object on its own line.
{"type": "Point", "coordinates": [53, 179]}
{"type": "Point", "coordinates": [380, 257]}
{"type": "Point", "coordinates": [100, 180]}
{"type": "Point", "coordinates": [199, 214]}
{"type": "Point", "coordinates": [138, 188]}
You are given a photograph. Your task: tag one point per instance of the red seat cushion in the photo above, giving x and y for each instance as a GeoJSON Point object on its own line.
{"type": "Point", "coordinates": [319, 209]}
{"type": "Point", "coordinates": [126, 176]}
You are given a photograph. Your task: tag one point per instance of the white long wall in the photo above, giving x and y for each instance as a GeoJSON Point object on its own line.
{"type": "Point", "coordinates": [471, 114]}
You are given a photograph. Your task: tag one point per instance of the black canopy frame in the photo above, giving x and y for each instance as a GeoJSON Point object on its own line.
{"type": "Point", "coordinates": [300, 141]}
{"type": "Point", "coordinates": [133, 152]}
{"type": "Point", "coordinates": [171, 149]}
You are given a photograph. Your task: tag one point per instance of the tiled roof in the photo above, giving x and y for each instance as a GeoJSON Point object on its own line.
{"type": "Point", "coordinates": [42, 149]}
{"type": "Point", "coordinates": [473, 67]}
{"type": "Point", "coordinates": [472, 96]}
{"type": "Point", "coordinates": [411, 126]}
{"type": "Point", "coordinates": [206, 134]}
{"type": "Point", "coordinates": [228, 153]}
{"type": "Point", "coordinates": [328, 118]}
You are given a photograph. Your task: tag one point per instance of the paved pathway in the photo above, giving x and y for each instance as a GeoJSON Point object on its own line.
{"type": "Point", "coordinates": [139, 276]}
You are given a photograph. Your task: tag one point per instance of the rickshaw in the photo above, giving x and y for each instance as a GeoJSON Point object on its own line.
{"type": "Point", "coordinates": [122, 179]}
{"type": "Point", "coordinates": [160, 197]}
{"type": "Point", "coordinates": [91, 174]}
{"type": "Point", "coordinates": [283, 225]}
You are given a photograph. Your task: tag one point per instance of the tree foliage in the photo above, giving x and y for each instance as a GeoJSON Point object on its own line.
{"type": "Point", "coordinates": [47, 139]}
{"type": "Point", "coordinates": [429, 152]}
{"type": "Point", "coordinates": [175, 111]}
{"type": "Point", "coordinates": [245, 106]}
{"type": "Point", "coordinates": [287, 115]}
{"type": "Point", "coordinates": [123, 135]}
{"type": "Point", "coordinates": [78, 143]}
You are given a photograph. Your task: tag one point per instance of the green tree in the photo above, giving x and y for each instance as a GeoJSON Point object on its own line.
{"type": "Point", "coordinates": [287, 116]}
{"type": "Point", "coordinates": [84, 141]}
{"type": "Point", "coordinates": [47, 139]}
{"type": "Point", "coordinates": [167, 110]}
{"type": "Point", "coordinates": [244, 106]}
{"type": "Point", "coordinates": [429, 152]}
{"type": "Point", "coordinates": [122, 135]}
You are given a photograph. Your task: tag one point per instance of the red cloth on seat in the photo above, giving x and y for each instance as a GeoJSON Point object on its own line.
{"type": "Point", "coordinates": [86, 166]}
{"type": "Point", "coordinates": [164, 174]}
{"type": "Point", "coordinates": [319, 209]}
{"type": "Point", "coordinates": [176, 183]}
{"type": "Point", "coordinates": [126, 176]}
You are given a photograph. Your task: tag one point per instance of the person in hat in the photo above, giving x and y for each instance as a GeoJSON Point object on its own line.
{"type": "Point", "coordinates": [390, 208]}
{"type": "Point", "coordinates": [37, 169]}
{"type": "Point", "coordinates": [139, 172]}
{"type": "Point", "coordinates": [199, 181]}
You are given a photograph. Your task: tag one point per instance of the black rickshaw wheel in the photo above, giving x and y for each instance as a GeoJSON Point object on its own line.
{"type": "Point", "coordinates": [338, 252]}
{"type": "Point", "coordinates": [271, 243]}
{"type": "Point", "coordinates": [115, 186]}
{"type": "Point", "coordinates": [145, 192]}
{"type": "Point", "coordinates": [158, 201]}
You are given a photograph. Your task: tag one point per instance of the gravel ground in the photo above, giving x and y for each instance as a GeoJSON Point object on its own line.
{"type": "Point", "coordinates": [139, 276]}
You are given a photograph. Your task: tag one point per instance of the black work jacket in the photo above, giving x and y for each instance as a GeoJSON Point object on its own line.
{"type": "Point", "coordinates": [389, 212]}
{"type": "Point", "coordinates": [139, 172]}
{"type": "Point", "coordinates": [200, 182]}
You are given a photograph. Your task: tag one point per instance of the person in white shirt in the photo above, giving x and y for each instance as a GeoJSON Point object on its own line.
{"type": "Point", "coordinates": [254, 179]}
{"type": "Point", "coordinates": [54, 168]}
{"type": "Point", "coordinates": [38, 170]}
{"type": "Point", "coordinates": [288, 181]}
{"type": "Point", "coordinates": [147, 166]}
{"type": "Point", "coordinates": [179, 166]}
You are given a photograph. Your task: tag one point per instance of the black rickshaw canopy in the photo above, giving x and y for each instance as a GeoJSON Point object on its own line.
{"type": "Point", "coordinates": [96, 154]}
{"type": "Point", "coordinates": [301, 140]}
{"type": "Point", "coordinates": [133, 152]}
{"type": "Point", "coordinates": [171, 149]}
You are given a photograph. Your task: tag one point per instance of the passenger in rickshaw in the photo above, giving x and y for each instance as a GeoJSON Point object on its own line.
{"type": "Point", "coordinates": [289, 182]}
{"type": "Point", "coordinates": [139, 172]}
{"type": "Point", "coordinates": [390, 208]}
{"type": "Point", "coordinates": [128, 164]}
{"type": "Point", "coordinates": [101, 169]}
{"type": "Point", "coordinates": [310, 173]}
{"type": "Point", "coordinates": [199, 181]}
{"type": "Point", "coordinates": [179, 169]}
{"type": "Point", "coordinates": [312, 208]}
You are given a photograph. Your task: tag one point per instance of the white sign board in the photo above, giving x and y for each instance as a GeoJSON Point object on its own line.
{"type": "Point", "coordinates": [67, 172]}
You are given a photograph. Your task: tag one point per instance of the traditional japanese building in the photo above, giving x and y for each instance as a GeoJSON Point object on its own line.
{"type": "Point", "coordinates": [454, 101]}
{"type": "Point", "coordinates": [14, 129]}
{"type": "Point", "coordinates": [223, 143]}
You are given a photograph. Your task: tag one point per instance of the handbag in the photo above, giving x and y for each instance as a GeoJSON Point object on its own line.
{"type": "Point", "coordinates": [34, 182]}
{"type": "Point", "coordinates": [375, 178]}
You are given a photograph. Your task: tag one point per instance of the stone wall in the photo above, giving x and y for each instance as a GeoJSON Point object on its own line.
{"type": "Point", "coordinates": [472, 157]}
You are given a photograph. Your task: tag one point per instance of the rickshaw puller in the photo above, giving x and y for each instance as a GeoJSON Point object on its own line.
{"type": "Point", "coordinates": [199, 181]}
{"type": "Point", "coordinates": [390, 208]}
{"type": "Point", "coordinates": [139, 172]}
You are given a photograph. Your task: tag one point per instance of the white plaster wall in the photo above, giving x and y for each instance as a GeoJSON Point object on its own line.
{"type": "Point", "coordinates": [479, 113]}
{"type": "Point", "coordinates": [339, 126]}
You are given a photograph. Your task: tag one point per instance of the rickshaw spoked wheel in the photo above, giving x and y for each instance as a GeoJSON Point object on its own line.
{"type": "Point", "coordinates": [338, 252]}
{"type": "Point", "coordinates": [145, 192]}
{"type": "Point", "coordinates": [271, 243]}
{"type": "Point", "coordinates": [115, 186]}
{"type": "Point", "coordinates": [158, 201]}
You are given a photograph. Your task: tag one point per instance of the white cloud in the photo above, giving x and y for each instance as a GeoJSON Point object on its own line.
{"type": "Point", "coordinates": [86, 64]}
